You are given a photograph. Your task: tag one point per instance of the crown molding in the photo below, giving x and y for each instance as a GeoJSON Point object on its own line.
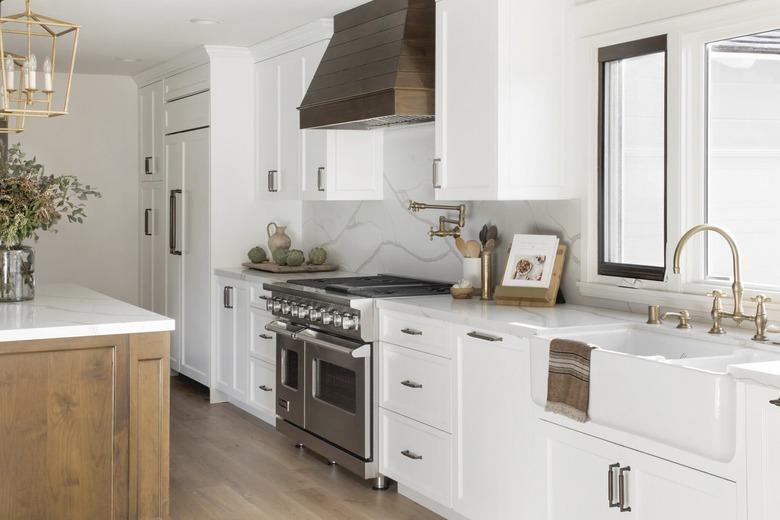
{"type": "Point", "coordinates": [308, 34]}
{"type": "Point", "coordinates": [182, 62]}
{"type": "Point", "coordinates": [227, 52]}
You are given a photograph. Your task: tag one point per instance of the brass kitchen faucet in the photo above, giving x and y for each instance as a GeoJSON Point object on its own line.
{"type": "Point", "coordinates": [415, 207]}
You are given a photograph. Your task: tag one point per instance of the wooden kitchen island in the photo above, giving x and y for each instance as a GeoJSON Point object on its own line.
{"type": "Point", "coordinates": [84, 408]}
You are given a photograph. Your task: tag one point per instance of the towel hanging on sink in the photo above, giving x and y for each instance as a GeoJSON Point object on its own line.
{"type": "Point", "coordinates": [568, 381]}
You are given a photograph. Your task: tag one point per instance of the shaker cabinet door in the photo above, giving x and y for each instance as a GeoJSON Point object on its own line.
{"type": "Point", "coordinates": [152, 242]}
{"type": "Point", "coordinates": [763, 452]}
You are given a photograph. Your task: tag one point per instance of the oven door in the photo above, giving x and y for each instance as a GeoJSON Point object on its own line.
{"type": "Point", "coordinates": [338, 399]}
{"type": "Point", "coordinates": [290, 375]}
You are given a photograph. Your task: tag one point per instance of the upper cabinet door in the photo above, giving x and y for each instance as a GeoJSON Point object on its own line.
{"type": "Point", "coordinates": [499, 77]}
{"type": "Point", "coordinates": [465, 164]}
{"type": "Point", "coordinates": [151, 123]}
{"type": "Point", "coordinates": [267, 128]}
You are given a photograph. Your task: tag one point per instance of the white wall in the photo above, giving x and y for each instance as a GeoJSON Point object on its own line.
{"type": "Point", "coordinates": [98, 142]}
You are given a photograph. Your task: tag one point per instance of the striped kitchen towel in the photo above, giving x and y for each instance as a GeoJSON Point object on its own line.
{"type": "Point", "coordinates": [568, 383]}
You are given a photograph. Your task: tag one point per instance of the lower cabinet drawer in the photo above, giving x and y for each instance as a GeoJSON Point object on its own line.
{"type": "Point", "coordinates": [263, 342]}
{"type": "Point", "coordinates": [262, 391]}
{"type": "Point", "coordinates": [415, 455]}
{"type": "Point", "coordinates": [416, 385]}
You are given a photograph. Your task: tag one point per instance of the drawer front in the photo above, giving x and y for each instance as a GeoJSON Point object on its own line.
{"type": "Point", "coordinates": [187, 83]}
{"type": "Point", "coordinates": [423, 334]}
{"type": "Point", "coordinates": [416, 456]}
{"type": "Point", "coordinates": [256, 295]}
{"type": "Point", "coordinates": [187, 114]}
{"type": "Point", "coordinates": [263, 344]}
{"type": "Point", "coordinates": [262, 392]}
{"type": "Point", "coordinates": [416, 385]}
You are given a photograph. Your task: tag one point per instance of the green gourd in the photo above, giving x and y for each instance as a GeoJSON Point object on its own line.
{"type": "Point", "coordinates": [280, 257]}
{"type": "Point", "coordinates": [257, 255]}
{"type": "Point", "coordinates": [318, 256]}
{"type": "Point", "coordinates": [295, 258]}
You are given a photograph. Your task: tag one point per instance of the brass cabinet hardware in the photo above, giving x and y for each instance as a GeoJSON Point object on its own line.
{"type": "Point", "coordinates": [611, 485]}
{"type": "Point", "coordinates": [411, 455]}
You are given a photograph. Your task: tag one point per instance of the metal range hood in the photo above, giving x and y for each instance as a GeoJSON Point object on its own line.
{"type": "Point", "coordinates": [378, 70]}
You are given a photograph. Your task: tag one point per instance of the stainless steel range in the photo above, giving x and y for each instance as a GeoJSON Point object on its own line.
{"type": "Point", "coordinates": [325, 368]}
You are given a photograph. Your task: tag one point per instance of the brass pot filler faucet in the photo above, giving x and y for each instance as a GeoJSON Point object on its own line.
{"type": "Point", "coordinates": [738, 314]}
{"type": "Point", "coordinates": [415, 207]}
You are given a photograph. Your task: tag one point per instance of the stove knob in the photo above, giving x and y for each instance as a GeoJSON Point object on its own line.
{"type": "Point", "coordinates": [303, 312]}
{"type": "Point", "coordinates": [337, 319]}
{"type": "Point", "coordinates": [277, 305]}
{"type": "Point", "coordinates": [315, 314]}
{"type": "Point", "coordinates": [269, 304]}
{"type": "Point", "coordinates": [286, 307]}
{"type": "Point", "coordinates": [327, 318]}
{"type": "Point", "coordinates": [350, 322]}
{"type": "Point", "coordinates": [294, 310]}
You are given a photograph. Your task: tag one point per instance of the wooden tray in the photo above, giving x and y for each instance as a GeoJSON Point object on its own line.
{"type": "Point", "coordinates": [271, 267]}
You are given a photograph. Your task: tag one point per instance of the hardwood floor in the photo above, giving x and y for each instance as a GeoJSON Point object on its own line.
{"type": "Point", "coordinates": [228, 465]}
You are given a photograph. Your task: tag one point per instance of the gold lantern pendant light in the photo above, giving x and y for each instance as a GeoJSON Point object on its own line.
{"type": "Point", "coordinates": [37, 58]}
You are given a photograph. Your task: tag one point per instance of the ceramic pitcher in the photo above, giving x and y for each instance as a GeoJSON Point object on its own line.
{"type": "Point", "coordinates": [277, 239]}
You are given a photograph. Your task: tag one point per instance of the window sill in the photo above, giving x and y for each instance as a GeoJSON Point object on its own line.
{"type": "Point", "coordinates": [697, 303]}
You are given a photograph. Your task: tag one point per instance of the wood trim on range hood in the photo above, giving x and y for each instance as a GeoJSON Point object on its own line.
{"type": "Point", "coordinates": [378, 69]}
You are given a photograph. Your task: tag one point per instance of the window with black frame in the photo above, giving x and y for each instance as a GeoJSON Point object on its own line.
{"type": "Point", "coordinates": [632, 159]}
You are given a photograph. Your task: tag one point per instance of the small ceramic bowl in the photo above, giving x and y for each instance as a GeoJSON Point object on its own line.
{"type": "Point", "coordinates": [462, 293]}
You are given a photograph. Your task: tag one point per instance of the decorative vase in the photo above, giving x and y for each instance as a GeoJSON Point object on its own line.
{"type": "Point", "coordinates": [17, 273]}
{"type": "Point", "coordinates": [278, 239]}
{"type": "Point", "coordinates": [472, 271]}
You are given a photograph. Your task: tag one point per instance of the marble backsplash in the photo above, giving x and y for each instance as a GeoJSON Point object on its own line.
{"type": "Point", "coordinates": [384, 237]}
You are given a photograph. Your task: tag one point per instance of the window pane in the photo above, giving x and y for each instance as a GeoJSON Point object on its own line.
{"type": "Point", "coordinates": [743, 174]}
{"type": "Point", "coordinates": [634, 160]}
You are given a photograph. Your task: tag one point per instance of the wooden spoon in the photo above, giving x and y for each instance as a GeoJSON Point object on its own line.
{"type": "Point", "coordinates": [473, 249]}
{"type": "Point", "coordinates": [492, 232]}
{"type": "Point", "coordinates": [490, 245]}
{"type": "Point", "coordinates": [461, 245]}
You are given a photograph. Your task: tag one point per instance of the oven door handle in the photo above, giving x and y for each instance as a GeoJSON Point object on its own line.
{"type": "Point", "coordinates": [282, 328]}
{"type": "Point", "coordinates": [361, 352]}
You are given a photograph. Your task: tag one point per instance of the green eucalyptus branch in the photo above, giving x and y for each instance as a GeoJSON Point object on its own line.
{"type": "Point", "coordinates": [31, 201]}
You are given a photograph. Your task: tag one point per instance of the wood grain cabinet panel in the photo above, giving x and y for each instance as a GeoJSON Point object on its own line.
{"type": "Point", "coordinates": [81, 421]}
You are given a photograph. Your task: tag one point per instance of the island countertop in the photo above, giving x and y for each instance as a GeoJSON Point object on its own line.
{"type": "Point", "coordinates": [71, 311]}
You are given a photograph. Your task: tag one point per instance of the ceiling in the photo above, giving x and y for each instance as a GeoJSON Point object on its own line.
{"type": "Point", "coordinates": [157, 30]}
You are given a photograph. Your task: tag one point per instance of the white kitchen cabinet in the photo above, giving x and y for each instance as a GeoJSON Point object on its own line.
{"type": "Point", "coordinates": [189, 270]}
{"type": "Point", "coordinates": [763, 452]}
{"type": "Point", "coordinates": [499, 98]}
{"type": "Point", "coordinates": [187, 83]}
{"type": "Point", "coordinates": [310, 164]}
{"type": "Point", "coordinates": [232, 347]}
{"type": "Point", "coordinates": [491, 406]}
{"type": "Point", "coordinates": [578, 481]}
{"type": "Point", "coordinates": [152, 246]}
{"type": "Point", "coordinates": [279, 91]}
{"type": "Point", "coordinates": [151, 122]}
{"type": "Point", "coordinates": [262, 389]}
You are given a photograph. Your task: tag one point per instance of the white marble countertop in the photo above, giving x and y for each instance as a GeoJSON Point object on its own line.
{"type": "Point", "coordinates": [70, 311]}
{"type": "Point", "coordinates": [253, 275]}
{"type": "Point", "coordinates": [767, 373]}
{"type": "Point", "coordinates": [522, 321]}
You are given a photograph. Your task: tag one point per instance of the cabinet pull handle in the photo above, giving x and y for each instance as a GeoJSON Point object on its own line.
{"type": "Point", "coordinates": [411, 384]}
{"type": "Point", "coordinates": [227, 297]}
{"type": "Point", "coordinates": [411, 455]}
{"type": "Point", "coordinates": [172, 238]}
{"type": "Point", "coordinates": [147, 222]}
{"type": "Point", "coordinates": [148, 166]}
{"type": "Point", "coordinates": [266, 336]}
{"type": "Point", "coordinates": [273, 184]}
{"type": "Point", "coordinates": [775, 402]}
{"type": "Point", "coordinates": [611, 485]}
{"type": "Point", "coordinates": [435, 174]}
{"type": "Point", "coordinates": [320, 179]}
{"type": "Point", "coordinates": [622, 489]}
{"type": "Point", "coordinates": [412, 332]}
{"type": "Point", "coordinates": [483, 336]}
{"type": "Point", "coordinates": [265, 388]}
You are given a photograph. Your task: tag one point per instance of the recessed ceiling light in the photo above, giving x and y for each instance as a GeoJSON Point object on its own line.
{"type": "Point", "coordinates": [205, 21]}
{"type": "Point", "coordinates": [129, 60]}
